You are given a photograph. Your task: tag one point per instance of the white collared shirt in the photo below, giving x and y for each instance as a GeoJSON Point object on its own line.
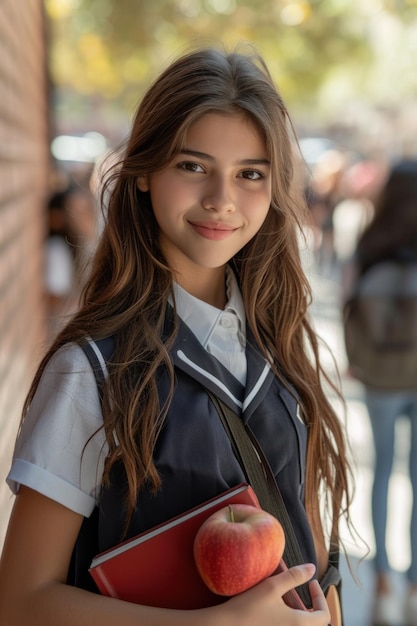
{"type": "Point", "coordinates": [221, 332]}
{"type": "Point", "coordinates": [72, 414]}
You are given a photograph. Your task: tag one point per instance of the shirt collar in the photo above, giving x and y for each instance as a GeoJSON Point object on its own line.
{"type": "Point", "coordinates": [201, 317]}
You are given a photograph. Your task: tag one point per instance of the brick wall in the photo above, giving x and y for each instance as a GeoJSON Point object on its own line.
{"type": "Point", "coordinates": [24, 163]}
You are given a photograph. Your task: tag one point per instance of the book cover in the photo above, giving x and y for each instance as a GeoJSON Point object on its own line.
{"type": "Point", "coordinates": [157, 568]}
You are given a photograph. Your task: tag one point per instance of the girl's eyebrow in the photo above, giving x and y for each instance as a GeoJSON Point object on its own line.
{"type": "Point", "coordinates": [208, 157]}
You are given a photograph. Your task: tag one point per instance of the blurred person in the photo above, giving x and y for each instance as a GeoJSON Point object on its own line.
{"type": "Point", "coordinates": [382, 351]}
{"type": "Point", "coordinates": [359, 187]}
{"type": "Point", "coordinates": [352, 214]}
{"type": "Point", "coordinates": [69, 246]}
{"type": "Point", "coordinates": [59, 262]}
{"type": "Point", "coordinates": [322, 195]}
{"type": "Point", "coordinates": [83, 231]}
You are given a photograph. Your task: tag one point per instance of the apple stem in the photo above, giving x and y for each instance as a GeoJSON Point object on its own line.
{"type": "Point", "coordinates": [232, 517]}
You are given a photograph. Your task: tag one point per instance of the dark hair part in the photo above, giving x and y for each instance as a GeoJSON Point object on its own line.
{"type": "Point", "coordinates": [130, 282]}
{"type": "Point", "coordinates": [392, 233]}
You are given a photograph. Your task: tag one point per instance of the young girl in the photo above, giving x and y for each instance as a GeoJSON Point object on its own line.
{"type": "Point", "coordinates": [198, 282]}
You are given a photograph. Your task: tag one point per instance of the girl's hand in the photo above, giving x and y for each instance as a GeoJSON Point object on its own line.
{"type": "Point", "coordinates": [263, 604]}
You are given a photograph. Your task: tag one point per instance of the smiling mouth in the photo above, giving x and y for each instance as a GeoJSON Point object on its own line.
{"type": "Point", "coordinates": [213, 230]}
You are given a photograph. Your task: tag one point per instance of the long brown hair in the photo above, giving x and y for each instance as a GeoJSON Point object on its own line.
{"type": "Point", "coordinates": [127, 291]}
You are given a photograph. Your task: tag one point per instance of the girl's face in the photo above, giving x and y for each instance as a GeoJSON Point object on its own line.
{"type": "Point", "coordinates": [213, 197]}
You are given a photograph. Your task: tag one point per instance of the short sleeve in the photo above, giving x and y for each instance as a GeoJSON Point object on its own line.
{"type": "Point", "coordinates": [61, 448]}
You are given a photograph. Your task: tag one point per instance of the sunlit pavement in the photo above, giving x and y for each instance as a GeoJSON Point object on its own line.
{"type": "Point", "coordinates": [358, 589]}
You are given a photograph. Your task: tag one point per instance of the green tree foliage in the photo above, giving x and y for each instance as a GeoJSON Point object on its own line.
{"type": "Point", "coordinates": [112, 48]}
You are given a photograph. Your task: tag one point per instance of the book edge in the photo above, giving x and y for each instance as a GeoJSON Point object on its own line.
{"type": "Point", "coordinates": [147, 535]}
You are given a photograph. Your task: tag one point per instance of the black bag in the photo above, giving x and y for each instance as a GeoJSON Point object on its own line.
{"type": "Point", "coordinates": [380, 326]}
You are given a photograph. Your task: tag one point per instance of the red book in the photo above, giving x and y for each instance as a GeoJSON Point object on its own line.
{"type": "Point", "coordinates": [157, 568]}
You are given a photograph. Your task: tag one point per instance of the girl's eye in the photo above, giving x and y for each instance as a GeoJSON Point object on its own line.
{"type": "Point", "coordinates": [190, 166]}
{"type": "Point", "coordinates": [252, 174]}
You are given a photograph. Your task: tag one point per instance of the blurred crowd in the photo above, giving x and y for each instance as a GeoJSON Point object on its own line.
{"type": "Point", "coordinates": [363, 236]}
{"type": "Point", "coordinates": [340, 190]}
{"type": "Point", "coordinates": [72, 224]}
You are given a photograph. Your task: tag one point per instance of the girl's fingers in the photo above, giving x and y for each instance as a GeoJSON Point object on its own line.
{"type": "Point", "coordinates": [301, 574]}
{"type": "Point", "coordinates": [297, 575]}
{"type": "Point", "coordinates": [317, 597]}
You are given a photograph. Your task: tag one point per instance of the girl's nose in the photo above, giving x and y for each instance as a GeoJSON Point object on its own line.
{"type": "Point", "coordinates": [218, 196]}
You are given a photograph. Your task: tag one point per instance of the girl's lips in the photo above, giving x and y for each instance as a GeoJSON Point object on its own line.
{"type": "Point", "coordinates": [213, 230]}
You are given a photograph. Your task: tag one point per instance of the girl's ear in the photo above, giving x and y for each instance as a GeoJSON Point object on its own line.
{"type": "Point", "coordinates": [142, 183]}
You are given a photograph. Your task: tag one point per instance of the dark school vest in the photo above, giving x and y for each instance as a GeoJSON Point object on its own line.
{"type": "Point", "coordinates": [194, 455]}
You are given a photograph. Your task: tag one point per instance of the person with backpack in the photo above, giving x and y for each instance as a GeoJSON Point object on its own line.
{"type": "Point", "coordinates": [198, 283]}
{"type": "Point", "coordinates": [380, 325]}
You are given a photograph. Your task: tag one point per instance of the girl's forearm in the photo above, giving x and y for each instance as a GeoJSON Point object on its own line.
{"type": "Point", "coordinates": [57, 604]}
{"type": "Point", "coordinates": [61, 605]}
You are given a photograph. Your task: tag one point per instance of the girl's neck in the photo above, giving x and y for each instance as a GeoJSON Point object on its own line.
{"type": "Point", "coordinates": [207, 286]}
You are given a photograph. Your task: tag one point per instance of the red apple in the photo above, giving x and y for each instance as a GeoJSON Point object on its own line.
{"type": "Point", "coordinates": [237, 547]}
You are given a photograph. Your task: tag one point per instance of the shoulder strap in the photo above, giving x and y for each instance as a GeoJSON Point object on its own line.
{"type": "Point", "coordinates": [260, 476]}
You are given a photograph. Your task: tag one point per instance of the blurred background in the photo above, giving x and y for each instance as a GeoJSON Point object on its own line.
{"type": "Point", "coordinates": [71, 75]}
